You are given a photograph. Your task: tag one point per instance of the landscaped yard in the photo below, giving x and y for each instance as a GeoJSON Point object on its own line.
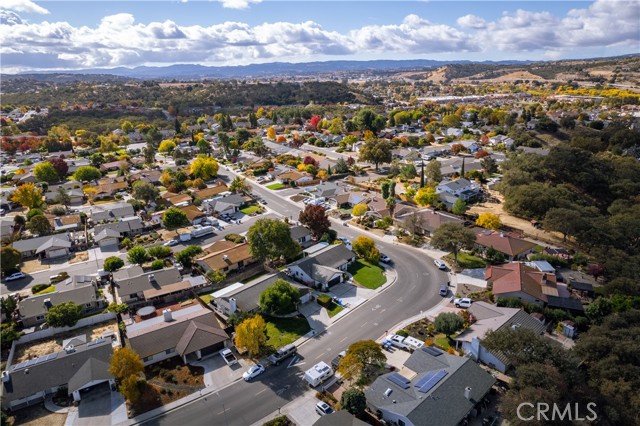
{"type": "Point", "coordinates": [366, 274]}
{"type": "Point", "coordinates": [49, 289]}
{"type": "Point", "coordinates": [442, 342]}
{"type": "Point", "coordinates": [276, 186]}
{"type": "Point", "coordinates": [333, 309]}
{"type": "Point", "coordinates": [282, 331]}
{"type": "Point", "coordinates": [250, 210]}
{"type": "Point", "coordinates": [206, 298]}
{"type": "Point", "coordinates": [467, 261]}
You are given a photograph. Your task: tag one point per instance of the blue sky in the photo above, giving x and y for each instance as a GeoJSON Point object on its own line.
{"type": "Point", "coordinates": [104, 34]}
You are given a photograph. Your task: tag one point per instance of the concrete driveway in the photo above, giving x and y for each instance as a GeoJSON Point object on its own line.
{"type": "Point", "coordinates": [99, 406]}
{"type": "Point", "coordinates": [218, 374]}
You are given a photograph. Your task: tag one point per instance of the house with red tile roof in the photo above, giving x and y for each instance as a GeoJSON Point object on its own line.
{"type": "Point", "coordinates": [521, 281]}
{"type": "Point", "coordinates": [508, 243]}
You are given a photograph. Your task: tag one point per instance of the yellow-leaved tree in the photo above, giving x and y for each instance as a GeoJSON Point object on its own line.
{"type": "Point", "coordinates": [489, 221]}
{"type": "Point", "coordinates": [271, 133]}
{"type": "Point", "coordinates": [359, 209]}
{"type": "Point", "coordinates": [125, 362]}
{"type": "Point", "coordinates": [204, 167]}
{"type": "Point", "coordinates": [27, 195]}
{"type": "Point", "coordinates": [251, 334]}
{"type": "Point", "coordinates": [166, 147]}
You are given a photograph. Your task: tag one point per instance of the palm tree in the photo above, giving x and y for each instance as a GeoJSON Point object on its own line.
{"type": "Point", "coordinates": [240, 185]}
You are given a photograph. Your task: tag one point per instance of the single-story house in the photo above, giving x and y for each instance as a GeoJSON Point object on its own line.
{"type": "Point", "coordinates": [347, 200]}
{"type": "Point", "coordinates": [294, 176]}
{"type": "Point", "coordinates": [110, 189]}
{"type": "Point", "coordinates": [48, 247]}
{"type": "Point", "coordinates": [426, 221]}
{"type": "Point", "coordinates": [301, 235]}
{"type": "Point", "coordinates": [112, 166]}
{"type": "Point", "coordinates": [191, 333]}
{"type": "Point", "coordinates": [325, 190]}
{"type": "Point", "coordinates": [69, 222]}
{"type": "Point", "coordinates": [493, 318]}
{"type": "Point", "coordinates": [560, 253]}
{"type": "Point", "coordinates": [76, 196]}
{"type": "Point", "coordinates": [133, 285]}
{"type": "Point", "coordinates": [501, 140]}
{"type": "Point", "coordinates": [194, 214]}
{"type": "Point", "coordinates": [433, 388]}
{"type": "Point", "coordinates": [176, 199]}
{"type": "Point", "coordinates": [226, 257]}
{"type": "Point", "coordinates": [245, 298]}
{"type": "Point", "coordinates": [507, 243]}
{"type": "Point", "coordinates": [468, 144]}
{"type": "Point", "coordinates": [149, 176]}
{"type": "Point", "coordinates": [78, 289]}
{"type": "Point", "coordinates": [76, 367]}
{"type": "Point", "coordinates": [218, 188]}
{"type": "Point", "coordinates": [126, 226]}
{"type": "Point", "coordinates": [225, 204]}
{"type": "Point", "coordinates": [107, 238]}
{"type": "Point", "coordinates": [323, 268]}
{"type": "Point", "coordinates": [522, 282]}
{"type": "Point", "coordinates": [109, 212]}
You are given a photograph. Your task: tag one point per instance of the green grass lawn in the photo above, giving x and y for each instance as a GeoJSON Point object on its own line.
{"type": "Point", "coordinates": [206, 298]}
{"type": "Point", "coordinates": [442, 342]}
{"type": "Point", "coordinates": [250, 210]}
{"type": "Point", "coordinates": [366, 274]}
{"type": "Point", "coordinates": [49, 289]}
{"type": "Point", "coordinates": [333, 309]}
{"type": "Point", "coordinates": [282, 331]}
{"type": "Point", "coordinates": [276, 186]}
{"type": "Point", "coordinates": [467, 261]}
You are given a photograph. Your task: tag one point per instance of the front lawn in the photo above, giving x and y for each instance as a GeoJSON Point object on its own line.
{"type": "Point", "coordinates": [206, 298]}
{"type": "Point", "coordinates": [276, 186]}
{"type": "Point", "coordinates": [250, 210]}
{"type": "Point", "coordinates": [333, 309]}
{"type": "Point", "coordinates": [49, 289]}
{"type": "Point", "coordinates": [442, 342]}
{"type": "Point", "coordinates": [282, 331]}
{"type": "Point", "coordinates": [366, 274]}
{"type": "Point", "coordinates": [468, 261]}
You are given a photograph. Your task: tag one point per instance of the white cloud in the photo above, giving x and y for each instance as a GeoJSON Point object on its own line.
{"type": "Point", "coordinates": [238, 4]}
{"type": "Point", "coordinates": [119, 40]}
{"type": "Point", "coordinates": [26, 6]}
{"type": "Point", "coordinates": [472, 21]}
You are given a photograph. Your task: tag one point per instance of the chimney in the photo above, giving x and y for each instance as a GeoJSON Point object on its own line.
{"type": "Point", "coordinates": [70, 349]}
{"type": "Point", "coordinates": [5, 376]}
{"type": "Point", "coordinates": [502, 234]}
{"type": "Point", "coordinates": [48, 304]}
{"type": "Point", "coordinates": [152, 278]}
{"type": "Point", "coordinates": [225, 257]}
{"type": "Point", "coordinates": [167, 315]}
{"type": "Point", "coordinates": [232, 305]}
{"type": "Point", "coordinates": [467, 393]}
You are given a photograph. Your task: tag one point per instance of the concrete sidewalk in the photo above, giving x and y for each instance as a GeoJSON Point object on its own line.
{"type": "Point", "coordinates": [301, 410]}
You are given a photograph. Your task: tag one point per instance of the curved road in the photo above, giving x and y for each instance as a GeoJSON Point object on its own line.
{"type": "Point", "coordinates": [415, 290]}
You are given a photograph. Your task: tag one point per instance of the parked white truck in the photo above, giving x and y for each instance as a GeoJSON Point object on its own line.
{"type": "Point", "coordinates": [228, 356]}
{"type": "Point", "coordinates": [408, 343]}
{"type": "Point", "coordinates": [202, 231]}
{"type": "Point", "coordinates": [318, 374]}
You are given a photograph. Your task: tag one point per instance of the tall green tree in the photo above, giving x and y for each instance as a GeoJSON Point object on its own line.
{"type": "Point", "coordinates": [87, 173]}
{"type": "Point", "coordinates": [10, 258]}
{"type": "Point", "coordinates": [376, 151]}
{"type": "Point", "coordinates": [112, 264]}
{"type": "Point", "coordinates": [280, 298]}
{"type": "Point", "coordinates": [448, 323]}
{"type": "Point", "coordinates": [270, 239]}
{"type": "Point", "coordinates": [453, 237]}
{"type": "Point", "coordinates": [354, 401]}
{"type": "Point", "coordinates": [40, 225]}
{"type": "Point", "coordinates": [64, 315]}
{"type": "Point", "coordinates": [46, 172]}
{"type": "Point", "coordinates": [137, 255]}
{"type": "Point", "coordinates": [145, 191]}
{"type": "Point", "coordinates": [434, 171]}
{"type": "Point", "coordinates": [174, 218]}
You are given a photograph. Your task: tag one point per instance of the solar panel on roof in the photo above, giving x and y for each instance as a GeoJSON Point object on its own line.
{"type": "Point", "coordinates": [433, 381]}
{"type": "Point", "coordinates": [432, 351]}
{"type": "Point", "coordinates": [399, 380]}
{"type": "Point", "coordinates": [425, 378]}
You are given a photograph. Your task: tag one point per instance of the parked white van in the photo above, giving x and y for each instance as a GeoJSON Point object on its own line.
{"type": "Point", "coordinates": [318, 374]}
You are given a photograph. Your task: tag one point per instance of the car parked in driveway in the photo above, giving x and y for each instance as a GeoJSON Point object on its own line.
{"type": "Point", "coordinates": [323, 408]}
{"type": "Point", "coordinates": [464, 302]}
{"type": "Point", "coordinates": [15, 276]}
{"type": "Point", "coordinates": [253, 372]}
{"type": "Point", "coordinates": [170, 243]}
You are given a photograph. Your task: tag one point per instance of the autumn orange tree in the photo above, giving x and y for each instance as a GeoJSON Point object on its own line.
{"type": "Point", "coordinates": [251, 334]}
{"type": "Point", "coordinates": [489, 221]}
{"type": "Point", "coordinates": [125, 362]}
{"type": "Point", "coordinates": [271, 133]}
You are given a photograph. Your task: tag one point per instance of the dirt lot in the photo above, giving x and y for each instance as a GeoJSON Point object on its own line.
{"type": "Point", "coordinates": [54, 344]}
{"type": "Point", "coordinates": [81, 256]}
{"type": "Point", "coordinates": [521, 225]}
{"type": "Point", "coordinates": [36, 415]}
{"type": "Point", "coordinates": [31, 266]}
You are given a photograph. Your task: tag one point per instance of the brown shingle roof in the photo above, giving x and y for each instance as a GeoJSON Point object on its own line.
{"type": "Point", "coordinates": [192, 212]}
{"type": "Point", "coordinates": [203, 194]}
{"type": "Point", "coordinates": [514, 277]}
{"type": "Point", "coordinates": [504, 242]}
{"type": "Point", "coordinates": [199, 336]}
{"type": "Point", "coordinates": [231, 256]}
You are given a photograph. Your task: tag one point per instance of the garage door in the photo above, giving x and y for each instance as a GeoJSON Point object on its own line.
{"type": "Point", "coordinates": [56, 253]}
{"type": "Point", "coordinates": [212, 349]}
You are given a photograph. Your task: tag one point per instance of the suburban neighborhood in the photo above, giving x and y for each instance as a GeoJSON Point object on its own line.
{"type": "Point", "coordinates": [395, 250]}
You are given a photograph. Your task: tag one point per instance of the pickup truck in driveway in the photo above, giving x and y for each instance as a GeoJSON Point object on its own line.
{"type": "Point", "coordinates": [228, 356]}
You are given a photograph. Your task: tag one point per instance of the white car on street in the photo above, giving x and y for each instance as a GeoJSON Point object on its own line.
{"type": "Point", "coordinates": [15, 276]}
{"type": "Point", "coordinates": [253, 372]}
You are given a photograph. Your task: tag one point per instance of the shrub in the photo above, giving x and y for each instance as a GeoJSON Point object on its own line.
{"type": "Point", "coordinates": [157, 264]}
{"type": "Point", "coordinates": [58, 211]}
{"type": "Point", "coordinates": [39, 287]}
{"type": "Point", "coordinates": [159, 252]}
{"type": "Point", "coordinates": [403, 333]}
{"type": "Point", "coordinates": [324, 300]}
{"type": "Point", "coordinates": [236, 238]}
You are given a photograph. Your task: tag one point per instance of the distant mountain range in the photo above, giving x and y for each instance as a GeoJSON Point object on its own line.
{"type": "Point", "coordinates": [192, 71]}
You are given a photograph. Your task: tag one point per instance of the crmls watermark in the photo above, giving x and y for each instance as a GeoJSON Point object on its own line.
{"type": "Point", "coordinates": [528, 411]}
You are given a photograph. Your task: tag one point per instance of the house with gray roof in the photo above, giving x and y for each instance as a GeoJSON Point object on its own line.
{"type": "Point", "coordinates": [245, 298]}
{"type": "Point", "coordinates": [78, 289]}
{"type": "Point", "coordinates": [433, 388]}
{"type": "Point", "coordinates": [323, 268]}
{"type": "Point", "coordinates": [191, 333]}
{"type": "Point", "coordinates": [126, 226]}
{"type": "Point", "coordinates": [109, 212]}
{"type": "Point", "coordinates": [493, 318]}
{"type": "Point", "coordinates": [47, 247]}
{"type": "Point", "coordinates": [134, 286]}
{"type": "Point", "coordinates": [76, 367]}
{"type": "Point", "coordinates": [301, 235]}
{"type": "Point", "coordinates": [224, 204]}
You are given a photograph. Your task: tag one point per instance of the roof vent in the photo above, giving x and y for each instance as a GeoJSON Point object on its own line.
{"type": "Point", "coordinates": [225, 257]}
{"type": "Point", "coordinates": [168, 317]}
{"type": "Point", "coordinates": [467, 393]}
{"type": "Point", "coordinates": [388, 392]}
{"type": "Point", "coordinates": [515, 326]}
{"type": "Point", "coordinates": [70, 349]}
{"type": "Point", "coordinates": [26, 371]}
